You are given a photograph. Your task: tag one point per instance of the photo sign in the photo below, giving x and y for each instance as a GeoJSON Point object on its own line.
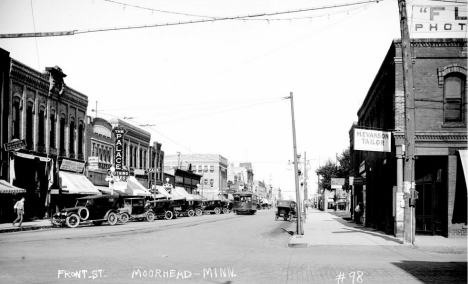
{"type": "Point", "coordinates": [439, 21]}
{"type": "Point", "coordinates": [372, 140]}
{"type": "Point", "coordinates": [119, 133]}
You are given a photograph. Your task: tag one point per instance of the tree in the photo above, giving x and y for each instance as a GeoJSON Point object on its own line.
{"type": "Point", "coordinates": [332, 170]}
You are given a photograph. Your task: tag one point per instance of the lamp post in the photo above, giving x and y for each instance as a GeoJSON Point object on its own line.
{"type": "Point", "coordinates": [300, 230]}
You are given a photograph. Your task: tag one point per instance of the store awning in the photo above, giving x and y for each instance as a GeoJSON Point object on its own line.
{"type": "Point", "coordinates": [76, 184]}
{"type": "Point", "coordinates": [162, 190]}
{"type": "Point", "coordinates": [176, 195]}
{"type": "Point", "coordinates": [182, 192]}
{"type": "Point", "coordinates": [7, 188]}
{"type": "Point", "coordinates": [464, 162]}
{"type": "Point", "coordinates": [136, 187]}
{"type": "Point", "coordinates": [106, 190]}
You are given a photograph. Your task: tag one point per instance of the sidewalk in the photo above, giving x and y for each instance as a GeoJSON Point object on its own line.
{"type": "Point", "coordinates": [323, 228]}
{"type": "Point", "coordinates": [26, 226]}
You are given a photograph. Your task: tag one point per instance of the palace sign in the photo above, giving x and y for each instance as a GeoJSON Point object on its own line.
{"type": "Point", "coordinates": [439, 20]}
{"type": "Point", "coordinates": [372, 140]}
{"type": "Point", "coordinates": [119, 133]}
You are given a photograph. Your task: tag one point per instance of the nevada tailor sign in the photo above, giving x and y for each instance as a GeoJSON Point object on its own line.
{"type": "Point", "coordinates": [118, 158]}
{"type": "Point", "coordinates": [372, 140]}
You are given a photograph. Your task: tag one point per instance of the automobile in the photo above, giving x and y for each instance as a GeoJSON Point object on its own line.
{"type": "Point", "coordinates": [163, 209]}
{"type": "Point", "coordinates": [285, 209]}
{"type": "Point", "coordinates": [95, 209]}
{"type": "Point", "coordinates": [213, 206]}
{"type": "Point", "coordinates": [136, 208]}
{"type": "Point", "coordinates": [188, 208]}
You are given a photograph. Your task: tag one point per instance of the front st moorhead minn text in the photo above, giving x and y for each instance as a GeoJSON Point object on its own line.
{"type": "Point", "coordinates": [211, 272]}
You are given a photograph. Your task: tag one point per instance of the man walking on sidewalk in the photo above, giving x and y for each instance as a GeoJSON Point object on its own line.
{"type": "Point", "coordinates": [19, 207]}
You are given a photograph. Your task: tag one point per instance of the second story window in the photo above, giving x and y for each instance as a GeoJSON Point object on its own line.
{"type": "Point", "coordinates": [16, 118]}
{"type": "Point", "coordinates": [52, 129]}
{"type": "Point", "coordinates": [454, 96]}
{"type": "Point", "coordinates": [29, 125]}
{"type": "Point", "coordinates": [41, 127]}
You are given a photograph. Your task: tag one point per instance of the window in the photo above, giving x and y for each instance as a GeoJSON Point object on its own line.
{"type": "Point", "coordinates": [141, 159]}
{"type": "Point", "coordinates": [205, 181]}
{"type": "Point", "coordinates": [41, 126]}
{"type": "Point", "coordinates": [454, 95]}
{"type": "Point", "coordinates": [71, 140]}
{"type": "Point", "coordinates": [80, 138]}
{"type": "Point", "coordinates": [29, 125]}
{"type": "Point", "coordinates": [205, 169]}
{"type": "Point", "coordinates": [200, 168]}
{"type": "Point", "coordinates": [62, 136]}
{"type": "Point", "coordinates": [131, 156]}
{"type": "Point", "coordinates": [16, 118]}
{"type": "Point", "coordinates": [52, 128]}
{"type": "Point", "coordinates": [211, 169]}
{"type": "Point", "coordinates": [211, 182]}
{"type": "Point", "coordinates": [124, 160]}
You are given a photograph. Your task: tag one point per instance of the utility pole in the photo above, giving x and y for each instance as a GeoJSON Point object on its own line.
{"type": "Point", "coordinates": [408, 176]}
{"type": "Point", "coordinates": [306, 196]}
{"type": "Point", "coordinates": [298, 195]}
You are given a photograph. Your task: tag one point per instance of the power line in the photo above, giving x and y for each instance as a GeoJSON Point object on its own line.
{"type": "Point", "coordinates": [73, 32]}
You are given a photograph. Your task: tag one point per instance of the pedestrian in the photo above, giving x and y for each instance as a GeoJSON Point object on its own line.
{"type": "Point", "coordinates": [358, 213]}
{"type": "Point", "coordinates": [19, 207]}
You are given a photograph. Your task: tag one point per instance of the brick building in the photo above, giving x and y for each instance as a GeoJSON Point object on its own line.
{"type": "Point", "coordinates": [38, 108]}
{"type": "Point", "coordinates": [441, 139]}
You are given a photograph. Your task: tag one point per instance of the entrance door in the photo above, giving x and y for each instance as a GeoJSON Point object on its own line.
{"type": "Point", "coordinates": [425, 221]}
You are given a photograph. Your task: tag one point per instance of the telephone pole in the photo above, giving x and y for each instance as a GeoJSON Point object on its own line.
{"type": "Point", "coordinates": [408, 176]}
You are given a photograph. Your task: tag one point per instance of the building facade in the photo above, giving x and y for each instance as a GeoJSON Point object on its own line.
{"type": "Point", "coordinates": [240, 177]}
{"type": "Point", "coordinates": [212, 168]}
{"type": "Point", "coordinates": [100, 150]}
{"type": "Point", "coordinates": [49, 116]}
{"type": "Point", "coordinates": [136, 150]}
{"type": "Point", "coordinates": [441, 138]}
{"type": "Point", "coordinates": [156, 165]}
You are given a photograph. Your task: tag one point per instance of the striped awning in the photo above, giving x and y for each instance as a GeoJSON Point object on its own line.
{"type": "Point", "coordinates": [73, 183]}
{"type": "Point", "coordinates": [136, 187]}
{"type": "Point", "coordinates": [7, 188]}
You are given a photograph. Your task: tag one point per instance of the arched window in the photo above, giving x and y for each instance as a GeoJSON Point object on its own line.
{"type": "Point", "coordinates": [41, 126]}
{"type": "Point", "coordinates": [16, 117]}
{"type": "Point", "coordinates": [454, 97]}
{"type": "Point", "coordinates": [29, 125]}
{"type": "Point", "coordinates": [80, 138]}
{"type": "Point", "coordinates": [71, 140]}
{"type": "Point", "coordinates": [52, 128]}
{"type": "Point", "coordinates": [62, 135]}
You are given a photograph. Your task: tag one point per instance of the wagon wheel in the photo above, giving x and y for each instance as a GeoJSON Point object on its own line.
{"type": "Point", "coordinates": [217, 211]}
{"type": "Point", "coordinates": [168, 215]}
{"type": "Point", "coordinates": [124, 217]}
{"type": "Point", "coordinates": [72, 221]}
{"type": "Point", "coordinates": [150, 216]}
{"type": "Point", "coordinates": [191, 213]}
{"type": "Point", "coordinates": [225, 210]}
{"type": "Point", "coordinates": [199, 212]}
{"type": "Point", "coordinates": [112, 218]}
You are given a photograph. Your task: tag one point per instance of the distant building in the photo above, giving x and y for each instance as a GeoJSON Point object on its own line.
{"type": "Point", "coordinates": [100, 150]}
{"type": "Point", "coordinates": [212, 168]}
{"type": "Point", "coordinates": [240, 178]}
{"type": "Point", "coordinates": [156, 165]}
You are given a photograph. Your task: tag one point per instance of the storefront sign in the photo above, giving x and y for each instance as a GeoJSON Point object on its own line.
{"type": "Point", "coordinates": [139, 172]}
{"type": "Point", "coordinates": [372, 140]}
{"type": "Point", "coordinates": [359, 181]}
{"type": "Point", "coordinates": [439, 20]}
{"type": "Point", "coordinates": [73, 166]}
{"type": "Point", "coordinates": [119, 133]}
{"type": "Point", "coordinates": [337, 183]}
{"type": "Point", "coordinates": [14, 145]}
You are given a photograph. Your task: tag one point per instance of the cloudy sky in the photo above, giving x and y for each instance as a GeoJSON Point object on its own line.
{"type": "Point", "coordinates": [203, 79]}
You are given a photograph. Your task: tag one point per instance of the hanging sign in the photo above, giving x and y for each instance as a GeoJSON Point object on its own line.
{"type": "Point", "coordinates": [337, 183]}
{"type": "Point", "coordinates": [119, 133]}
{"type": "Point", "coordinates": [372, 140]}
{"type": "Point", "coordinates": [14, 145]}
{"type": "Point", "coordinates": [73, 166]}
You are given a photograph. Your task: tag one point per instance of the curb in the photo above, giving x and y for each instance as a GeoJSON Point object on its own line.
{"type": "Point", "coordinates": [22, 229]}
{"type": "Point", "coordinates": [297, 241]}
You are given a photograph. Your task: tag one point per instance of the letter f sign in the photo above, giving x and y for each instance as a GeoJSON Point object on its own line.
{"type": "Point", "coordinates": [433, 11]}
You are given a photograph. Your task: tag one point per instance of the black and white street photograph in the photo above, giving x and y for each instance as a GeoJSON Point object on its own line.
{"type": "Point", "coordinates": [233, 141]}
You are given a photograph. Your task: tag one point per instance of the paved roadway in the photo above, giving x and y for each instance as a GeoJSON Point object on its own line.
{"type": "Point", "coordinates": [227, 249]}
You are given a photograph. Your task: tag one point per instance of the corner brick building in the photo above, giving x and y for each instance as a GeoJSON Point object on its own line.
{"type": "Point", "coordinates": [441, 140]}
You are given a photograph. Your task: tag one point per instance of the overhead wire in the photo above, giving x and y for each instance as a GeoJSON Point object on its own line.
{"type": "Point", "coordinates": [248, 16]}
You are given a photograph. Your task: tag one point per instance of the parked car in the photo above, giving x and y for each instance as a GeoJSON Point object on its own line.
{"type": "Point", "coordinates": [163, 208]}
{"type": "Point", "coordinates": [188, 208]}
{"type": "Point", "coordinates": [213, 206]}
{"type": "Point", "coordinates": [135, 208]}
{"type": "Point", "coordinates": [95, 209]}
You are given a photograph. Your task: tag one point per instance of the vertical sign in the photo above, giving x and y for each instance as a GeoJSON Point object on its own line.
{"type": "Point", "coordinates": [119, 133]}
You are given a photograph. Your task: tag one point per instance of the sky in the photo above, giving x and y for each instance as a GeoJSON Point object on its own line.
{"type": "Point", "coordinates": [219, 87]}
